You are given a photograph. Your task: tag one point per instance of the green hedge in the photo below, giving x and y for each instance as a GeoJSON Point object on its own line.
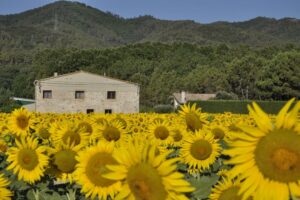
{"type": "Point", "coordinates": [163, 108]}
{"type": "Point", "coordinates": [236, 106]}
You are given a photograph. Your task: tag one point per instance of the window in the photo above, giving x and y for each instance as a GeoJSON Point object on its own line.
{"type": "Point", "coordinates": [79, 94]}
{"type": "Point", "coordinates": [89, 111]}
{"type": "Point", "coordinates": [108, 111]}
{"type": "Point", "coordinates": [47, 94]}
{"type": "Point", "coordinates": [111, 94]}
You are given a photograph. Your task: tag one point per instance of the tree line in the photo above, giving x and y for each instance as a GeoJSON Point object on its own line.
{"type": "Point", "coordinates": [265, 73]}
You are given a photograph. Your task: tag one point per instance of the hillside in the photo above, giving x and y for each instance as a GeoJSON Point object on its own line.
{"type": "Point", "coordinates": [71, 24]}
{"type": "Point", "coordinates": [161, 69]}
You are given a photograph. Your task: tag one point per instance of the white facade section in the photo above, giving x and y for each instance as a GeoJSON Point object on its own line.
{"type": "Point", "coordinates": [85, 92]}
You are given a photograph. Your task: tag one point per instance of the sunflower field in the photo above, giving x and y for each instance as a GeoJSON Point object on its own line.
{"type": "Point", "coordinates": [184, 155]}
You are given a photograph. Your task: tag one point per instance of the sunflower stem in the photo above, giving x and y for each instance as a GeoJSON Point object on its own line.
{"type": "Point", "coordinates": [71, 195]}
{"type": "Point", "coordinates": [36, 194]}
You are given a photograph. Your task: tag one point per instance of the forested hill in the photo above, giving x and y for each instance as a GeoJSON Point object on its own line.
{"type": "Point", "coordinates": [161, 69]}
{"type": "Point", "coordinates": [71, 24]}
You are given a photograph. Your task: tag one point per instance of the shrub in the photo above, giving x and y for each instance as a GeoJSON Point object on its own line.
{"type": "Point", "coordinates": [163, 108]}
{"type": "Point", "coordinates": [146, 109]}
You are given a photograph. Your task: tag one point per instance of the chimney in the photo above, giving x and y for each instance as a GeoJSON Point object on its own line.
{"type": "Point", "coordinates": [55, 74]}
{"type": "Point", "coordinates": [183, 100]}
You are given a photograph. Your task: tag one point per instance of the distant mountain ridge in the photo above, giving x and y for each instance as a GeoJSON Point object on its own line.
{"type": "Point", "coordinates": [66, 24]}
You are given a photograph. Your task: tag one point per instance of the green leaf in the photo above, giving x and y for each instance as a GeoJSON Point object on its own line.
{"type": "Point", "coordinates": [54, 196]}
{"type": "Point", "coordinates": [42, 186]}
{"type": "Point", "coordinates": [203, 185]}
{"type": "Point", "coordinates": [182, 167]}
{"type": "Point", "coordinates": [30, 195]}
{"type": "Point", "coordinates": [19, 185]}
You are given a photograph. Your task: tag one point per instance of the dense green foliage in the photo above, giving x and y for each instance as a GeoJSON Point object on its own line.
{"type": "Point", "coordinates": [204, 58]}
{"type": "Point", "coordinates": [238, 107]}
{"type": "Point", "coordinates": [66, 24]}
{"type": "Point", "coordinates": [6, 103]}
{"type": "Point", "coordinates": [161, 69]}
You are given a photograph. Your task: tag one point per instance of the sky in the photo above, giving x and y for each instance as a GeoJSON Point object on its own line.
{"type": "Point", "coordinates": [203, 11]}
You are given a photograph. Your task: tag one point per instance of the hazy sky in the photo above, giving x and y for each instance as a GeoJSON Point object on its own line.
{"type": "Point", "coordinates": [204, 11]}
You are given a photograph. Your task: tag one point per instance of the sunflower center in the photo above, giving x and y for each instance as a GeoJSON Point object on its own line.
{"type": "Point", "coordinates": [218, 133]}
{"type": "Point", "coordinates": [201, 149]}
{"type": "Point", "coordinates": [22, 122]}
{"type": "Point", "coordinates": [192, 121]}
{"type": "Point", "coordinates": [135, 130]}
{"type": "Point", "coordinates": [111, 133]}
{"type": "Point", "coordinates": [230, 193]}
{"type": "Point", "coordinates": [161, 132]}
{"type": "Point", "coordinates": [65, 161]}
{"type": "Point", "coordinates": [285, 159]}
{"type": "Point", "coordinates": [145, 183]}
{"type": "Point", "coordinates": [44, 133]}
{"type": "Point", "coordinates": [96, 167]}
{"type": "Point", "coordinates": [28, 159]}
{"type": "Point", "coordinates": [177, 136]}
{"type": "Point", "coordinates": [278, 155]}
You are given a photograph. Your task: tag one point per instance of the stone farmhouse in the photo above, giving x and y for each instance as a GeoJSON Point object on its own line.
{"type": "Point", "coordinates": [86, 93]}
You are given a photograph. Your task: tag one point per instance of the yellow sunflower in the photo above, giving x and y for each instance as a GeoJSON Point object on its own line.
{"type": "Point", "coordinates": [112, 131]}
{"type": "Point", "coordinates": [27, 159]}
{"type": "Point", "coordinates": [160, 133]}
{"type": "Point", "coordinates": [5, 194]}
{"type": "Point", "coordinates": [67, 132]}
{"type": "Point", "coordinates": [86, 127]}
{"type": "Point", "coordinates": [146, 174]}
{"type": "Point", "coordinates": [20, 122]}
{"type": "Point", "coordinates": [193, 117]}
{"type": "Point", "coordinates": [135, 129]}
{"type": "Point", "coordinates": [99, 119]}
{"type": "Point", "coordinates": [123, 120]}
{"type": "Point", "coordinates": [64, 161]}
{"type": "Point", "coordinates": [90, 168]}
{"type": "Point", "coordinates": [200, 150]}
{"type": "Point", "coordinates": [227, 189]}
{"type": "Point", "coordinates": [42, 131]}
{"type": "Point", "coordinates": [178, 134]}
{"type": "Point", "coordinates": [4, 126]}
{"type": "Point", "coordinates": [218, 131]}
{"type": "Point", "coordinates": [268, 156]}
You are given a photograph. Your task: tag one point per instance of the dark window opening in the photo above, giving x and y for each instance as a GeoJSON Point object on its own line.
{"type": "Point", "coordinates": [47, 94]}
{"type": "Point", "coordinates": [89, 111]}
{"type": "Point", "coordinates": [108, 111]}
{"type": "Point", "coordinates": [79, 94]}
{"type": "Point", "coordinates": [111, 94]}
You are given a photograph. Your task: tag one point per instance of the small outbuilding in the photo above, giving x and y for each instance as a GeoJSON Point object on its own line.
{"type": "Point", "coordinates": [183, 97]}
{"type": "Point", "coordinates": [85, 92]}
